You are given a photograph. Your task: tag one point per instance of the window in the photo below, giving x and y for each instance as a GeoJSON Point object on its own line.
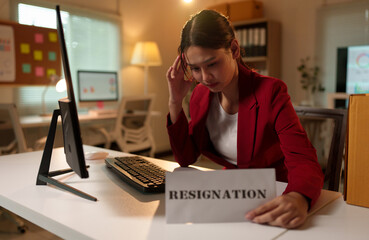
{"type": "Point", "coordinates": [93, 43]}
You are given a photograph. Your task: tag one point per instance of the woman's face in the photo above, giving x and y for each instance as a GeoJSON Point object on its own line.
{"type": "Point", "coordinates": [214, 68]}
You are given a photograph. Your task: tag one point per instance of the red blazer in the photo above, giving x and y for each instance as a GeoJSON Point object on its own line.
{"type": "Point", "coordinates": [269, 134]}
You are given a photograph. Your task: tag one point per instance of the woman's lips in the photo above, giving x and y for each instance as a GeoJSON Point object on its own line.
{"type": "Point", "coordinates": [211, 85]}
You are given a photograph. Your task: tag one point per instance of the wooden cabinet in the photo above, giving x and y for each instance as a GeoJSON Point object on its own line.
{"type": "Point", "coordinates": [261, 41]}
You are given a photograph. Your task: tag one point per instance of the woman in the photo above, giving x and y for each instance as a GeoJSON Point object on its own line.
{"type": "Point", "coordinates": [239, 119]}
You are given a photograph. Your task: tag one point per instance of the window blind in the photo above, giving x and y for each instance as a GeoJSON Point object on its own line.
{"type": "Point", "coordinates": [93, 43]}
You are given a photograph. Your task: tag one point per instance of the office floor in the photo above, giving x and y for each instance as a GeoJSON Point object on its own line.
{"type": "Point", "coordinates": [8, 230]}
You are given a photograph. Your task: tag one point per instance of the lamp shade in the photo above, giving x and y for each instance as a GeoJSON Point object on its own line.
{"type": "Point", "coordinates": [146, 54]}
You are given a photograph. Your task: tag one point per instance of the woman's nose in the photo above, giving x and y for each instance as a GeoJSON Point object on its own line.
{"type": "Point", "coordinates": [205, 74]}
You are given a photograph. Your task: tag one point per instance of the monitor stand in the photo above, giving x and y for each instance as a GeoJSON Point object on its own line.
{"type": "Point", "coordinates": [44, 175]}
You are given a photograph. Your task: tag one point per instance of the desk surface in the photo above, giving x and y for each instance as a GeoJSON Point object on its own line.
{"type": "Point", "coordinates": [122, 212]}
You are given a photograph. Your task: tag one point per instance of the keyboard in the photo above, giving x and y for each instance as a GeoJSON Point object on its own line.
{"type": "Point", "coordinates": [140, 173]}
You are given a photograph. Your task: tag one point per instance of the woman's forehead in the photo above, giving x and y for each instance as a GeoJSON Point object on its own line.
{"type": "Point", "coordinates": [198, 55]}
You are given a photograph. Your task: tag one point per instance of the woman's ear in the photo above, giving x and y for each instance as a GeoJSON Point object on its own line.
{"type": "Point", "coordinates": [235, 48]}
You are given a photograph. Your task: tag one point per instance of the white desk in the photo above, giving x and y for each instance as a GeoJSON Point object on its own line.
{"type": "Point", "coordinates": [123, 213]}
{"type": "Point", "coordinates": [338, 221]}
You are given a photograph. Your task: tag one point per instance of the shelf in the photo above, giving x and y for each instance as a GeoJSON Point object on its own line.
{"type": "Point", "coordinates": [261, 39]}
{"type": "Point", "coordinates": [255, 59]}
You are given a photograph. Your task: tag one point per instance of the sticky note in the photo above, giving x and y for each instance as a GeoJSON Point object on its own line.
{"type": "Point", "coordinates": [37, 55]}
{"type": "Point", "coordinates": [53, 37]}
{"type": "Point", "coordinates": [26, 68]}
{"type": "Point", "coordinates": [52, 56]}
{"type": "Point", "coordinates": [39, 38]}
{"type": "Point", "coordinates": [50, 72]}
{"type": "Point", "coordinates": [100, 104]}
{"type": "Point", "coordinates": [39, 72]}
{"type": "Point", "coordinates": [24, 48]}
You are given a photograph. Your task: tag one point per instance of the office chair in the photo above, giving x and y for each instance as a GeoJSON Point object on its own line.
{"type": "Point", "coordinates": [9, 121]}
{"type": "Point", "coordinates": [332, 118]}
{"type": "Point", "coordinates": [10, 125]}
{"type": "Point", "coordinates": [132, 131]}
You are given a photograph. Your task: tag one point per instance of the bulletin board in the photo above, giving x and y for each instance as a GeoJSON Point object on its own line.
{"type": "Point", "coordinates": [29, 55]}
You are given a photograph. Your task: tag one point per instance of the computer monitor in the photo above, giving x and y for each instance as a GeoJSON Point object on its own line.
{"type": "Point", "coordinates": [73, 147]}
{"type": "Point", "coordinates": [97, 90]}
{"type": "Point", "coordinates": [97, 86]}
{"type": "Point", "coordinates": [353, 69]}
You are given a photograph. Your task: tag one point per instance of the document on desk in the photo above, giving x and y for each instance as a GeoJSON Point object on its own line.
{"type": "Point", "coordinates": [194, 196]}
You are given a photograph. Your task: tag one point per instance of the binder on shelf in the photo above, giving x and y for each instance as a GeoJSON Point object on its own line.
{"type": "Point", "coordinates": [244, 38]}
{"type": "Point", "coordinates": [256, 42]}
{"type": "Point", "coordinates": [250, 43]}
{"type": "Point", "coordinates": [263, 46]}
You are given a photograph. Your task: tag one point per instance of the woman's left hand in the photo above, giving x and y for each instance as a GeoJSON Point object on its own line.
{"type": "Point", "coordinates": [288, 211]}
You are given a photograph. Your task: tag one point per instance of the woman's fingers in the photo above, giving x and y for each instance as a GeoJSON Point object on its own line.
{"type": "Point", "coordinates": [289, 211]}
{"type": "Point", "coordinates": [176, 67]}
{"type": "Point", "coordinates": [175, 70]}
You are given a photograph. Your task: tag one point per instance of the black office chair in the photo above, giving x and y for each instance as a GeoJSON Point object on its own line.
{"type": "Point", "coordinates": [337, 119]}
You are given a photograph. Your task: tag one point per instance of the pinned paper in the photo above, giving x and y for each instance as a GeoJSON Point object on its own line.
{"type": "Point", "coordinates": [50, 72]}
{"type": "Point", "coordinates": [7, 54]}
{"type": "Point", "coordinates": [26, 68]}
{"type": "Point", "coordinates": [39, 72]}
{"type": "Point", "coordinates": [52, 56]}
{"type": "Point", "coordinates": [194, 196]}
{"type": "Point", "coordinates": [53, 37]}
{"type": "Point", "coordinates": [24, 48]}
{"type": "Point", "coordinates": [37, 55]}
{"type": "Point", "coordinates": [39, 38]}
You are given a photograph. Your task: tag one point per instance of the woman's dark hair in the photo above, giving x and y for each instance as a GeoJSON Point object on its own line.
{"type": "Point", "coordinates": [207, 29]}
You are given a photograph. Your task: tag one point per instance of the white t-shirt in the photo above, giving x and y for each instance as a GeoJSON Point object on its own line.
{"type": "Point", "coordinates": [222, 128]}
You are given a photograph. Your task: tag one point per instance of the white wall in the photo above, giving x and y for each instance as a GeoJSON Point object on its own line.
{"type": "Point", "coordinates": [162, 20]}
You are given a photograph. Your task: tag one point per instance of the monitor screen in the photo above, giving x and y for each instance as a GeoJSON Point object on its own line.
{"type": "Point", "coordinates": [357, 78]}
{"type": "Point", "coordinates": [353, 69]}
{"type": "Point", "coordinates": [94, 86]}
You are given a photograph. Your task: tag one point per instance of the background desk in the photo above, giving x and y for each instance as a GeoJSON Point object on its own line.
{"type": "Point", "coordinates": [44, 121]}
{"type": "Point", "coordinates": [35, 127]}
{"type": "Point", "coordinates": [123, 213]}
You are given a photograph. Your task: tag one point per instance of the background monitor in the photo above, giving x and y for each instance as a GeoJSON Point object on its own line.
{"type": "Point", "coordinates": [352, 71]}
{"type": "Point", "coordinates": [95, 88]}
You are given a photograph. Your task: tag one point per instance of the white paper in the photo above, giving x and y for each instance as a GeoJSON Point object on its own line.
{"type": "Point", "coordinates": [216, 196]}
{"type": "Point", "coordinates": [7, 54]}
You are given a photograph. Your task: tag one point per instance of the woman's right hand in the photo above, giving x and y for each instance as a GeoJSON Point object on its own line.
{"type": "Point", "coordinates": [178, 88]}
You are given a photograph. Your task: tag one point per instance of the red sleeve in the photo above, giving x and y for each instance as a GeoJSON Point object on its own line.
{"type": "Point", "coordinates": [183, 147]}
{"type": "Point", "coordinates": [304, 172]}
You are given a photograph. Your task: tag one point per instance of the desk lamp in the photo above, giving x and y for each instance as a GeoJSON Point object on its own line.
{"type": "Point", "coordinates": [60, 87]}
{"type": "Point", "coordinates": [146, 54]}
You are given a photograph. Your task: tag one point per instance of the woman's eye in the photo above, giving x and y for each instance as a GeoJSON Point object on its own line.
{"type": "Point", "coordinates": [212, 64]}
{"type": "Point", "coordinates": [195, 69]}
